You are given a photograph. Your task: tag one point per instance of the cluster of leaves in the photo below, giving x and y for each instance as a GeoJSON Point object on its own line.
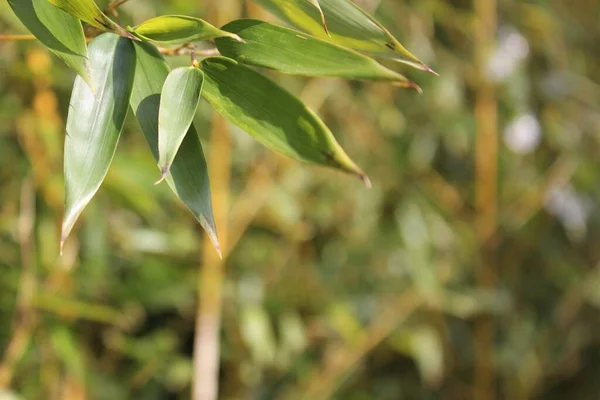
{"type": "Point", "coordinates": [123, 67]}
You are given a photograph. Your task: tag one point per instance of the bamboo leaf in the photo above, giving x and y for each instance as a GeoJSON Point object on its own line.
{"type": "Point", "coordinates": [288, 51]}
{"type": "Point", "coordinates": [58, 31]}
{"type": "Point", "coordinates": [177, 29]}
{"type": "Point", "coordinates": [348, 24]}
{"type": "Point", "coordinates": [95, 121]}
{"type": "Point", "coordinates": [178, 104]}
{"type": "Point", "coordinates": [271, 115]}
{"type": "Point", "coordinates": [188, 175]}
{"type": "Point", "coordinates": [88, 11]}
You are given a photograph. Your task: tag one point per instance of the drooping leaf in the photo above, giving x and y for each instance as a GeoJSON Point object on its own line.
{"type": "Point", "coordinates": [95, 121]}
{"type": "Point", "coordinates": [188, 175]}
{"type": "Point", "coordinates": [271, 115]}
{"type": "Point", "coordinates": [178, 103]}
{"type": "Point", "coordinates": [57, 30]}
{"type": "Point", "coordinates": [288, 51]}
{"type": "Point", "coordinates": [88, 11]}
{"type": "Point", "coordinates": [177, 29]}
{"type": "Point", "coordinates": [348, 24]}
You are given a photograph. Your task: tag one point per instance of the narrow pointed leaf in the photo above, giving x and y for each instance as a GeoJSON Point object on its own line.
{"type": "Point", "coordinates": [178, 104]}
{"type": "Point", "coordinates": [348, 25]}
{"type": "Point", "coordinates": [88, 11]}
{"type": "Point", "coordinates": [188, 175]}
{"type": "Point", "coordinates": [288, 51]}
{"type": "Point", "coordinates": [271, 115]}
{"type": "Point", "coordinates": [177, 29]}
{"type": "Point", "coordinates": [60, 32]}
{"type": "Point", "coordinates": [95, 121]}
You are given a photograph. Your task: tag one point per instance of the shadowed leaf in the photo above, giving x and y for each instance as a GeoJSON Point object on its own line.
{"type": "Point", "coordinates": [188, 175]}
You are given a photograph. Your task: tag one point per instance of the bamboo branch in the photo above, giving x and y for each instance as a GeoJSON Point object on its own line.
{"type": "Point", "coordinates": [112, 6]}
{"type": "Point", "coordinates": [183, 50]}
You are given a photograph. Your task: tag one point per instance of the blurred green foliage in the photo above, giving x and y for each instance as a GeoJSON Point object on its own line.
{"type": "Point", "coordinates": [332, 290]}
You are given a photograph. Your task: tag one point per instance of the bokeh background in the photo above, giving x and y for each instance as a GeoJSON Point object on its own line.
{"type": "Point", "coordinates": [469, 270]}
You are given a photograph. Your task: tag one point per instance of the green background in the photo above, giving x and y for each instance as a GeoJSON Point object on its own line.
{"type": "Point", "coordinates": [403, 291]}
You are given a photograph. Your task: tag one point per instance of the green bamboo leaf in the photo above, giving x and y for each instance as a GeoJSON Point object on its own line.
{"type": "Point", "coordinates": [178, 104]}
{"type": "Point", "coordinates": [348, 24]}
{"type": "Point", "coordinates": [188, 175]}
{"type": "Point", "coordinates": [58, 31]}
{"type": "Point", "coordinates": [271, 115]}
{"type": "Point", "coordinates": [177, 29]}
{"type": "Point", "coordinates": [94, 122]}
{"type": "Point", "coordinates": [88, 11]}
{"type": "Point", "coordinates": [288, 51]}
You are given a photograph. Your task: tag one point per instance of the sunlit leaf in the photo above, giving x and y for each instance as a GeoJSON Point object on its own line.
{"type": "Point", "coordinates": [178, 103]}
{"type": "Point", "coordinates": [176, 29]}
{"type": "Point", "coordinates": [88, 11]}
{"type": "Point", "coordinates": [348, 24]}
{"type": "Point", "coordinates": [57, 30]}
{"type": "Point", "coordinates": [271, 115]}
{"type": "Point", "coordinates": [288, 51]}
{"type": "Point", "coordinates": [188, 175]}
{"type": "Point", "coordinates": [95, 121]}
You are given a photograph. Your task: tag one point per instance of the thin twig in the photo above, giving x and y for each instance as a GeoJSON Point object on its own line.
{"type": "Point", "coordinates": [112, 7]}
{"type": "Point", "coordinates": [184, 50]}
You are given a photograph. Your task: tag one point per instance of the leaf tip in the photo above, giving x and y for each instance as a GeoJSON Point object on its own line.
{"type": "Point", "coordinates": [431, 71]}
{"type": "Point", "coordinates": [416, 87]}
{"type": "Point", "coordinates": [365, 179]}
{"type": "Point", "coordinates": [63, 238]}
{"type": "Point", "coordinates": [164, 172]}
{"type": "Point", "coordinates": [130, 33]}
{"type": "Point", "coordinates": [325, 26]}
{"type": "Point", "coordinates": [408, 85]}
{"type": "Point", "coordinates": [212, 235]}
{"type": "Point", "coordinates": [237, 38]}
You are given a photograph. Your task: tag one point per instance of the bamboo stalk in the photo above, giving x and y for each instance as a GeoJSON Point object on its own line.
{"type": "Point", "coordinates": [486, 187]}
{"type": "Point", "coordinates": [212, 271]}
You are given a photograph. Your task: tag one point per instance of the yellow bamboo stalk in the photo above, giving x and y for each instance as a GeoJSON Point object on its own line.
{"type": "Point", "coordinates": [212, 271]}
